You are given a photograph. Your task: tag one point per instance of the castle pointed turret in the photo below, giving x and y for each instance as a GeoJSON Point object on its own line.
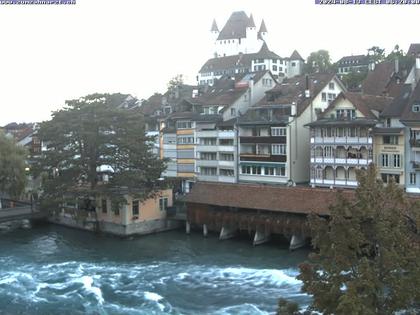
{"type": "Point", "coordinates": [214, 27]}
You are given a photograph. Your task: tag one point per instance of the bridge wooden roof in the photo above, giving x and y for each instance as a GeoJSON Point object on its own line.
{"type": "Point", "coordinates": [300, 200]}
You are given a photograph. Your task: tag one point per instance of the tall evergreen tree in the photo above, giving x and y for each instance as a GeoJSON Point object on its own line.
{"type": "Point", "coordinates": [367, 259]}
{"type": "Point", "coordinates": [93, 135]}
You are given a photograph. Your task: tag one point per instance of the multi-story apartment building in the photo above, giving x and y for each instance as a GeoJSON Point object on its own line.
{"type": "Point", "coordinates": [342, 139]}
{"type": "Point", "coordinates": [273, 142]}
{"type": "Point", "coordinates": [356, 63]}
{"type": "Point", "coordinates": [216, 150]}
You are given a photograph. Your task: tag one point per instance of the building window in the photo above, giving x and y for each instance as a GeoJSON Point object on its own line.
{"type": "Point", "coordinates": [293, 64]}
{"type": "Point", "coordinates": [345, 113]}
{"type": "Point", "coordinates": [135, 208]}
{"type": "Point", "coordinates": [233, 112]}
{"type": "Point", "coordinates": [388, 122]}
{"type": "Point", "coordinates": [396, 160]}
{"type": "Point", "coordinates": [115, 208]}
{"type": "Point", "coordinates": [227, 172]}
{"type": "Point", "coordinates": [274, 68]}
{"type": "Point", "coordinates": [163, 203]}
{"type": "Point", "coordinates": [186, 140]}
{"type": "Point", "coordinates": [278, 131]}
{"type": "Point", "coordinates": [226, 141]}
{"type": "Point", "coordinates": [278, 149]}
{"type": "Point", "coordinates": [208, 156]}
{"type": "Point", "coordinates": [412, 178]}
{"type": "Point", "coordinates": [386, 178]}
{"type": "Point", "coordinates": [331, 86]}
{"type": "Point", "coordinates": [210, 171]}
{"type": "Point", "coordinates": [208, 141]}
{"type": "Point", "coordinates": [184, 125]}
{"type": "Point", "coordinates": [390, 140]}
{"type": "Point", "coordinates": [416, 108]}
{"type": "Point", "coordinates": [324, 96]}
{"type": "Point", "coordinates": [104, 208]}
{"type": "Point", "coordinates": [274, 60]}
{"type": "Point", "coordinates": [226, 157]}
{"type": "Point", "coordinates": [251, 170]}
{"type": "Point", "coordinates": [383, 160]}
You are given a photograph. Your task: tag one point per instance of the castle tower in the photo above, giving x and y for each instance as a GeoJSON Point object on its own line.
{"type": "Point", "coordinates": [262, 33]}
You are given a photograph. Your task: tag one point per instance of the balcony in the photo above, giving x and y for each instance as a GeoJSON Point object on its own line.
{"type": "Point", "coordinates": [263, 157]}
{"type": "Point", "coordinates": [206, 148]}
{"type": "Point", "coordinates": [415, 143]}
{"type": "Point", "coordinates": [267, 139]}
{"type": "Point", "coordinates": [211, 163]}
{"type": "Point", "coordinates": [333, 160]}
{"type": "Point", "coordinates": [334, 182]}
{"type": "Point", "coordinates": [341, 140]}
{"type": "Point", "coordinates": [415, 165]}
{"type": "Point", "coordinates": [226, 134]}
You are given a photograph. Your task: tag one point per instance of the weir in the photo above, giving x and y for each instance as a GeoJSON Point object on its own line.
{"type": "Point", "coordinates": [297, 241]}
{"type": "Point", "coordinates": [227, 232]}
{"type": "Point", "coordinates": [262, 235]}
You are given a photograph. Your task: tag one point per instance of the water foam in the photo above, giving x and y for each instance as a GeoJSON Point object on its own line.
{"type": "Point", "coordinates": [87, 283]}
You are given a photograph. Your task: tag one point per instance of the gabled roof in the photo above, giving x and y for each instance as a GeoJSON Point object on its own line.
{"type": "Point", "coordinates": [414, 50]}
{"type": "Point", "coordinates": [292, 90]}
{"type": "Point", "coordinates": [235, 26]}
{"type": "Point", "coordinates": [408, 116]}
{"type": "Point", "coordinates": [296, 56]}
{"type": "Point", "coordinates": [366, 104]}
{"type": "Point", "coordinates": [214, 27]}
{"type": "Point", "coordinates": [263, 28]}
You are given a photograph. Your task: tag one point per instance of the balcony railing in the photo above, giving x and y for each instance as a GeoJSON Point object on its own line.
{"type": "Point", "coordinates": [415, 142]}
{"type": "Point", "coordinates": [416, 165]}
{"type": "Point", "coordinates": [334, 182]}
{"type": "Point", "coordinates": [342, 140]}
{"type": "Point", "coordinates": [348, 161]}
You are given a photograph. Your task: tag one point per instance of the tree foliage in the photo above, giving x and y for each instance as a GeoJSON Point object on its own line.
{"type": "Point", "coordinates": [319, 61]}
{"type": "Point", "coordinates": [93, 135]}
{"type": "Point", "coordinates": [368, 253]}
{"type": "Point", "coordinates": [376, 54]}
{"type": "Point", "coordinates": [353, 80]}
{"type": "Point", "coordinates": [12, 167]}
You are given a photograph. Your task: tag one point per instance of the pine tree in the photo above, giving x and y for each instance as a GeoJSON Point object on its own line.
{"type": "Point", "coordinates": [367, 260]}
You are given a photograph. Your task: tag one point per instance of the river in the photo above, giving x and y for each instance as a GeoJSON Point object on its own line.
{"type": "Point", "coordinates": [56, 270]}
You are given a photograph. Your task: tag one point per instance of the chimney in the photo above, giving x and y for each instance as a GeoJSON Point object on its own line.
{"type": "Point", "coordinates": [397, 65]}
{"type": "Point", "coordinates": [418, 62]}
{"type": "Point", "coordinates": [371, 66]}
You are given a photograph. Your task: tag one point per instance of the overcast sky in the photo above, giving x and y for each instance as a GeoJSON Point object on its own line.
{"type": "Point", "coordinates": [52, 53]}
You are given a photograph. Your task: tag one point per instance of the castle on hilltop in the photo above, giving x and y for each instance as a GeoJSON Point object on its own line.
{"type": "Point", "coordinates": [240, 48]}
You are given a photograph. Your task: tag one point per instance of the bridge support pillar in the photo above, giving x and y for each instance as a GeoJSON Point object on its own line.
{"type": "Point", "coordinates": [227, 232]}
{"type": "Point", "coordinates": [205, 230]}
{"type": "Point", "coordinates": [297, 241]}
{"type": "Point", "coordinates": [187, 227]}
{"type": "Point", "coordinates": [261, 236]}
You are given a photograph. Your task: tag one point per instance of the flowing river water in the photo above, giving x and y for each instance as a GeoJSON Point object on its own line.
{"type": "Point", "coordinates": [56, 270]}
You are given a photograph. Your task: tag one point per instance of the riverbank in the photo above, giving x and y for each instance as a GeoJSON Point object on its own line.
{"type": "Point", "coordinates": [55, 270]}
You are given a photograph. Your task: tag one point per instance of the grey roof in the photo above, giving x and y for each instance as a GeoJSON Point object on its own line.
{"type": "Point", "coordinates": [356, 60]}
{"type": "Point", "coordinates": [396, 108]}
{"type": "Point", "coordinates": [388, 131]}
{"type": "Point", "coordinates": [241, 61]}
{"type": "Point", "coordinates": [414, 50]}
{"type": "Point", "coordinates": [296, 56]}
{"type": "Point", "coordinates": [235, 27]}
{"type": "Point", "coordinates": [214, 27]}
{"type": "Point", "coordinates": [408, 116]}
{"type": "Point", "coordinates": [263, 28]}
